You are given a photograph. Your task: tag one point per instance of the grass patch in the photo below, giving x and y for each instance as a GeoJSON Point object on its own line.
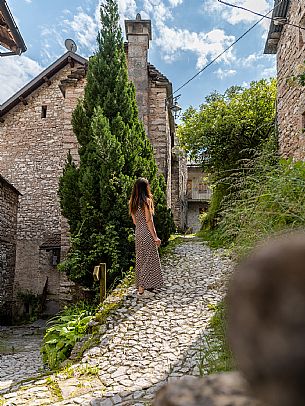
{"type": "Point", "coordinates": [215, 354]}
{"type": "Point", "coordinates": [54, 388]}
{"type": "Point", "coordinates": [173, 242]}
{"type": "Point", "coordinates": [214, 237]}
{"type": "Point", "coordinates": [265, 198]}
{"type": "Point", "coordinates": [87, 370]}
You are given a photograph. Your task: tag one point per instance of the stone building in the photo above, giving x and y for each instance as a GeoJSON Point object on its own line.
{"type": "Point", "coordinates": [35, 137]}
{"type": "Point", "coordinates": [8, 228]}
{"type": "Point", "coordinates": [288, 43]}
{"type": "Point", "coordinates": [198, 196]}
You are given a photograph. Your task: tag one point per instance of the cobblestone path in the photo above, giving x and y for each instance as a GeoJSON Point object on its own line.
{"type": "Point", "coordinates": [20, 353]}
{"type": "Point", "coordinates": [147, 342]}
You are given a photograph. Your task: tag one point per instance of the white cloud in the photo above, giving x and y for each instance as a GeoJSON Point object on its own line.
{"type": "Point", "coordinates": [127, 9]}
{"type": "Point", "coordinates": [204, 45]}
{"type": "Point", "coordinates": [250, 60]}
{"type": "Point", "coordinates": [269, 72]}
{"type": "Point", "coordinates": [264, 64]}
{"type": "Point", "coordinates": [52, 44]}
{"type": "Point", "coordinates": [15, 72]}
{"type": "Point", "coordinates": [235, 15]}
{"type": "Point", "coordinates": [28, 1]}
{"type": "Point", "coordinates": [85, 28]}
{"type": "Point", "coordinates": [173, 41]}
{"type": "Point", "coordinates": [175, 3]}
{"type": "Point", "coordinates": [225, 73]}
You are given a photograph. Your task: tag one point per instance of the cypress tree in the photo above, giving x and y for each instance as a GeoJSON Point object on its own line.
{"type": "Point", "coordinates": [114, 151]}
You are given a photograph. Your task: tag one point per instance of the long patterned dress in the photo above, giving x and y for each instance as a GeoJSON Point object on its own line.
{"type": "Point", "coordinates": [148, 266]}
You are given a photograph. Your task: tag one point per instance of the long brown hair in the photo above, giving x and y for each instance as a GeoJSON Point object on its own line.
{"type": "Point", "coordinates": [139, 195]}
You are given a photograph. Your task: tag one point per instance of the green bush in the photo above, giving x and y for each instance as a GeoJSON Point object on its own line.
{"type": "Point", "coordinates": [215, 354]}
{"type": "Point", "coordinates": [267, 198]}
{"type": "Point", "coordinates": [227, 130]}
{"type": "Point", "coordinates": [63, 331]}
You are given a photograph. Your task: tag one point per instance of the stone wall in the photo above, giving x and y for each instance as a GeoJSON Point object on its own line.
{"type": "Point", "coordinates": [8, 224]}
{"type": "Point", "coordinates": [159, 132]}
{"type": "Point", "coordinates": [194, 209]}
{"type": "Point", "coordinates": [32, 155]}
{"type": "Point", "coordinates": [291, 99]}
{"type": "Point", "coordinates": [138, 34]}
{"type": "Point", "coordinates": [178, 192]}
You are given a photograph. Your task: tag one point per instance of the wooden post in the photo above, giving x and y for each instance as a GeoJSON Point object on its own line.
{"type": "Point", "coordinates": [103, 278]}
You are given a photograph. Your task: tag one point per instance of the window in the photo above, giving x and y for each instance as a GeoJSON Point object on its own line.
{"type": "Point", "coordinates": [44, 112]}
{"type": "Point", "coordinates": [202, 188]}
{"type": "Point", "coordinates": [55, 256]}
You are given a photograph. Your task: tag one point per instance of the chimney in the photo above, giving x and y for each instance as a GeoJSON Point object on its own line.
{"type": "Point", "coordinates": [138, 33]}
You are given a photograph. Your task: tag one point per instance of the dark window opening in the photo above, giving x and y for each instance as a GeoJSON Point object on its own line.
{"type": "Point", "coordinates": [44, 112]}
{"type": "Point", "coordinates": [55, 256]}
{"type": "Point", "coordinates": [202, 188]}
{"type": "Point", "coordinates": [27, 308]}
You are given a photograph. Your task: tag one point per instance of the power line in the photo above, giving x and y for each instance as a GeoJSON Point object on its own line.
{"type": "Point", "coordinates": [279, 20]}
{"type": "Point", "coordinates": [223, 52]}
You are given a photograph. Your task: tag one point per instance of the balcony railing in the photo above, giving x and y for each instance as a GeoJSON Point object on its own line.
{"type": "Point", "coordinates": [195, 195]}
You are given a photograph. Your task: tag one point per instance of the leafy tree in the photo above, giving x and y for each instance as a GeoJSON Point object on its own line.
{"type": "Point", "coordinates": [227, 130]}
{"type": "Point", "coordinates": [114, 151]}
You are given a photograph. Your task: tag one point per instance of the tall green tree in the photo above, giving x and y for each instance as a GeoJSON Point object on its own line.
{"type": "Point", "coordinates": [114, 151]}
{"type": "Point", "coordinates": [228, 130]}
{"type": "Point", "coordinates": [229, 127]}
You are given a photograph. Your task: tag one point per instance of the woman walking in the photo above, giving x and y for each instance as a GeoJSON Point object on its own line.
{"type": "Point", "coordinates": [148, 266]}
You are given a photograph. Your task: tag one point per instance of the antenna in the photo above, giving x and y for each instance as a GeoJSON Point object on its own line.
{"type": "Point", "coordinates": [70, 45]}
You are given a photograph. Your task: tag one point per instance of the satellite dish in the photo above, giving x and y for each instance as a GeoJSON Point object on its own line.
{"type": "Point", "coordinates": [70, 45]}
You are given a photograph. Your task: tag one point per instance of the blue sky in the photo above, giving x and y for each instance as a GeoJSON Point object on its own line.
{"type": "Point", "coordinates": [186, 35]}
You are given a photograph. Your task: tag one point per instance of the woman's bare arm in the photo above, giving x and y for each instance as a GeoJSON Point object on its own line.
{"type": "Point", "coordinates": [133, 218]}
{"type": "Point", "coordinates": [150, 225]}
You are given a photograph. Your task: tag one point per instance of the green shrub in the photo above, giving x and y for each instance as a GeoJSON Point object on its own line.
{"type": "Point", "coordinates": [63, 331]}
{"type": "Point", "coordinates": [267, 198]}
{"type": "Point", "coordinates": [215, 354]}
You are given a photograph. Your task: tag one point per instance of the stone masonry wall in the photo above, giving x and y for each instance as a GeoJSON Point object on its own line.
{"type": "Point", "coordinates": [178, 192]}
{"type": "Point", "coordinates": [32, 155]}
{"type": "Point", "coordinates": [137, 71]}
{"type": "Point", "coordinates": [8, 224]}
{"type": "Point", "coordinates": [291, 99]}
{"type": "Point", "coordinates": [159, 132]}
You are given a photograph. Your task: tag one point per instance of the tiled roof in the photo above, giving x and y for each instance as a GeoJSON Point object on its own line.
{"type": "Point", "coordinates": [6, 182]}
{"type": "Point", "coordinates": [51, 241]}
{"type": "Point", "coordinates": [10, 37]}
{"type": "Point", "coordinates": [155, 74]}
